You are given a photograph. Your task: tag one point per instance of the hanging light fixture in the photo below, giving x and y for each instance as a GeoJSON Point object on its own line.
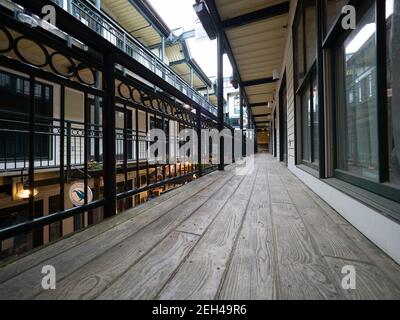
{"type": "Point", "coordinates": [23, 190]}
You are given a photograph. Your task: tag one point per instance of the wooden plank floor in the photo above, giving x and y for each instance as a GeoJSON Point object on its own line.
{"type": "Point", "coordinates": [262, 235]}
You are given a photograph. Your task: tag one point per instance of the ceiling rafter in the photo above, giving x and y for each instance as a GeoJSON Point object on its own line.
{"type": "Point", "coordinates": [262, 14]}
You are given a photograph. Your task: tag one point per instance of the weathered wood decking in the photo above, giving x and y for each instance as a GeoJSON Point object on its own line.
{"type": "Point", "coordinates": [224, 236]}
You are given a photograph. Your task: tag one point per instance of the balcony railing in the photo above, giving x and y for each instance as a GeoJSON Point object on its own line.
{"type": "Point", "coordinates": [14, 155]}
{"type": "Point", "coordinates": [110, 30]}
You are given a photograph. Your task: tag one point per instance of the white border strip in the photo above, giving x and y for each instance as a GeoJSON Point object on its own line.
{"type": "Point", "coordinates": [382, 231]}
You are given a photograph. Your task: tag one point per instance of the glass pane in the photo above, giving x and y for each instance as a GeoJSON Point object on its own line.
{"type": "Point", "coordinates": [305, 125]}
{"type": "Point", "coordinates": [311, 34]}
{"type": "Point", "coordinates": [332, 10]}
{"type": "Point", "coordinates": [358, 145]}
{"type": "Point", "coordinates": [393, 29]}
{"type": "Point", "coordinates": [315, 124]}
{"type": "Point", "coordinates": [300, 51]}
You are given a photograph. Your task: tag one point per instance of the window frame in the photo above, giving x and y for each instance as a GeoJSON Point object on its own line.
{"type": "Point", "coordinates": [22, 97]}
{"type": "Point", "coordinates": [311, 77]}
{"type": "Point", "coordinates": [334, 38]}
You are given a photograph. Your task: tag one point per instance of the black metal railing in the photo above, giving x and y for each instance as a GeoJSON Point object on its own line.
{"type": "Point", "coordinates": [107, 158]}
{"type": "Point", "coordinates": [14, 155]}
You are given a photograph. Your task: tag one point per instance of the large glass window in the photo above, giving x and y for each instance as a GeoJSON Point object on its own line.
{"type": "Point", "coordinates": [300, 50]}
{"type": "Point", "coordinates": [305, 125]}
{"type": "Point", "coordinates": [310, 124]}
{"type": "Point", "coordinates": [315, 123]}
{"type": "Point", "coordinates": [357, 108]}
{"type": "Point", "coordinates": [393, 88]}
{"type": "Point", "coordinates": [310, 33]}
{"type": "Point", "coordinates": [306, 39]}
{"type": "Point", "coordinates": [306, 55]}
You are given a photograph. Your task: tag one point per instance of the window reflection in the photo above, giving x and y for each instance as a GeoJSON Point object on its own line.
{"type": "Point", "coordinates": [357, 118]}
{"type": "Point", "coordinates": [393, 84]}
{"type": "Point", "coordinates": [315, 126]}
{"type": "Point", "coordinates": [306, 125]}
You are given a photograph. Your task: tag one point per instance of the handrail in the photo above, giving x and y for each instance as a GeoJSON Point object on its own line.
{"type": "Point", "coordinates": [110, 30]}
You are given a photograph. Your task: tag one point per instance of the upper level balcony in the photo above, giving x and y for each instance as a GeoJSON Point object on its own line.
{"type": "Point", "coordinates": [100, 22]}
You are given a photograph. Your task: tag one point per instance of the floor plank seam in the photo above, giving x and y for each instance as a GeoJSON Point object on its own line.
{"type": "Point", "coordinates": [186, 232]}
{"type": "Point", "coordinates": [277, 277]}
{"type": "Point", "coordinates": [351, 260]}
{"type": "Point", "coordinates": [157, 296]}
{"type": "Point", "coordinates": [228, 264]}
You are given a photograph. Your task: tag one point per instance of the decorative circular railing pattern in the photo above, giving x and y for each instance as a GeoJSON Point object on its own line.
{"type": "Point", "coordinates": [46, 58]}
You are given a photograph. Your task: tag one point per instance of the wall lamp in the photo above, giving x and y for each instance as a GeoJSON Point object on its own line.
{"type": "Point", "coordinates": [21, 189]}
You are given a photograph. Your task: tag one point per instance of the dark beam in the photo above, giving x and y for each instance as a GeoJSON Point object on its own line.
{"type": "Point", "coordinates": [174, 63]}
{"type": "Point", "coordinates": [260, 104]}
{"type": "Point", "coordinates": [257, 82]}
{"type": "Point", "coordinates": [261, 115]}
{"type": "Point", "coordinates": [262, 14]}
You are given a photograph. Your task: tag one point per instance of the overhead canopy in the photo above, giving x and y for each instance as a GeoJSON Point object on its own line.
{"type": "Point", "coordinates": [148, 29]}
{"type": "Point", "coordinates": [181, 61]}
{"type": "Point", "coordinates": [255, 31]}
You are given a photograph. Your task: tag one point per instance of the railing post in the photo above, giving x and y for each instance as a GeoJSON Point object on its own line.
{"type": "Point", "coordinates": [233, 145]}
{"type": "Point", "coordinates": [200, 158]}
{"type": "Point", "coordinates": [69, 146]}
{"type": "Point", "coordinates": [69, 9]}
{"type": "Point", "coordinates": [109, 157]}
{"type": "Point", "coordinates": [220, 95]}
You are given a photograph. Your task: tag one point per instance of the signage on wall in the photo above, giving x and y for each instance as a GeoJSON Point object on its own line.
{"type": "Point", "coordinates": [77, 194]}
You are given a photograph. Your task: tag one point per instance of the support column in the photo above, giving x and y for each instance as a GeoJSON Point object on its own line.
{"type": "Point", "coordinates": [199, 141]}
{"type": "Point", "coordinates": [163, 49]}
{"type": "Point", "coordinates": [241, 120]}
{"type": "Point", "coordinates": [220, 95]}
{"type": "Point", "coordinates": [191, 81]}
{"type": "Point", "coordinates": [109, 158]}
{"type": "Point", "coordinates": [191, 77]}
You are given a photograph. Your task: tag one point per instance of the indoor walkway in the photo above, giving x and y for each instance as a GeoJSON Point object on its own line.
{"type": "Point", "coordinates": [264, 235]}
